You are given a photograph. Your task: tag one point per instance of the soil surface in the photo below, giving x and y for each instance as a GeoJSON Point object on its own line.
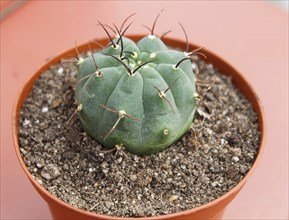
{"type": "Point", "coordinates": [210, 159]}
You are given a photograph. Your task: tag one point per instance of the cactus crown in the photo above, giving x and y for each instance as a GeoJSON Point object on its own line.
{"type": "Point", "coordinates": [137, 94]}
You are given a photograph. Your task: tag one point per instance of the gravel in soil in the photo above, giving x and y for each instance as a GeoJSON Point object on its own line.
{"type": "Point", "coordinates": [210, 159]}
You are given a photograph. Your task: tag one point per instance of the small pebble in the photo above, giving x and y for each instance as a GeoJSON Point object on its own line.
{"type": "Point", "coordinates": [243, 169]}
{"type": "Point", "coordinates": [83, 164]}
{"type": "Point", "coordinates": [39, 181]}
{"type": "Point", "coordinates": [249, 157]}
{"type": "Point", "coordinates": [39, 165]}
{"type": "Point", "coordinates": [49, 135]}
{"type": "Point", "coordinates": [65, 167]}
{"type": "Point", "coordinates": [50, 172]}
{"type": "Point", "coordinates": [133, 177]}
{"type": "Point", "coordinates": [23, 151]}
{"type": "Point", "coordinates": [203, 114]}
{"type": "Point", "coordinates": [209, 131]}
{"type": "Point", "coordinates": [60, 70]}
{"type": "Point", "coordinates": [44, 109]}
{"type": "Point", "coordinates": [236, 151]}
{"type": "Point", "coordinates": [183, 166]}
{"type": "Point", "coordinates": [165, 166]}
{"type": "Point", "coordinates": [169, 180]}
{"type": "Point", "coordinates": [139, 196]}
{"type": "Point", "coordinates": [222, 141]}
{"type": "Point", "coordinates": [119, 160]}
{"type": "Point", "coordinates": [26, 122]}
{"type": "Point", "coordinates": [68, 155]}
{"type": "Point", "coordinates": [173, 198]}
{"type": "Point", "coordinates": [235, 159]}
{"type": "Point", "coordinates": [214, 184]}
{"type": "Point", "coordinates": [56, 103]}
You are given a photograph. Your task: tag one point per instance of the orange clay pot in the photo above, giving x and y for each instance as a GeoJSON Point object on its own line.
{"type": "Point", "coordinates": [211, 210]}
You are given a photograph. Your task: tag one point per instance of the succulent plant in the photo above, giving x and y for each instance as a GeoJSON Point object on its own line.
{"type": "Point", "coordinates": [140, 95]}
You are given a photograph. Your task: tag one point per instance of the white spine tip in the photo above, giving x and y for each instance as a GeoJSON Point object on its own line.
{"type": "Point", "coordinates": [79, 107]}
{"type": "Point", "coordinates": [119, 146]}
{"type": "Point", "coordinates": [80, 60]}
{"type": "Point", "coordinates": [166, 132]}
{"type": "Point", "coordinates": [151, 37]}
{"type": "Point", "coordinates": [174, 67]}
{"type": "Point", "coordinates": [134, 55]}
{"type": "Point", "coordinates": [115, 46]}
{"type": "Point", "coordinates": [121, 113]}
{"type": "Point", "coordinates": [162, 94]}
{"type": "Point", "coordinates": [152, 55]}
{"type": "Point", "coordinates": [187, 54]}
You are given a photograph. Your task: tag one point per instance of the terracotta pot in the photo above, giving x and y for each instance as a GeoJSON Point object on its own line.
{"type": "Point", "coordinates": [214, 209]}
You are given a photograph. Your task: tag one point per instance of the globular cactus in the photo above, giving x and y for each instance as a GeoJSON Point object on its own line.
{"type": "Point", "coordinates": [138, 95]}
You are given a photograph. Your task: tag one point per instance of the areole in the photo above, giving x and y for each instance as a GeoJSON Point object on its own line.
{"type": "Point", "coordinates": [62, 210]}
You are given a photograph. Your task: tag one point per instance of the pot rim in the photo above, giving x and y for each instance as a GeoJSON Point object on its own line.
{"type": "Point", "coordinates": [258, 108]}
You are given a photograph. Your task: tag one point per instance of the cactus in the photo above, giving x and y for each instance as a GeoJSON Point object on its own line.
{"type": "Point", "coordinates": [140, 95]}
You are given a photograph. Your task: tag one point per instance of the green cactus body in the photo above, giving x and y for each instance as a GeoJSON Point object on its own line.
{"type": "Point", "coordinates": [134, 108]}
